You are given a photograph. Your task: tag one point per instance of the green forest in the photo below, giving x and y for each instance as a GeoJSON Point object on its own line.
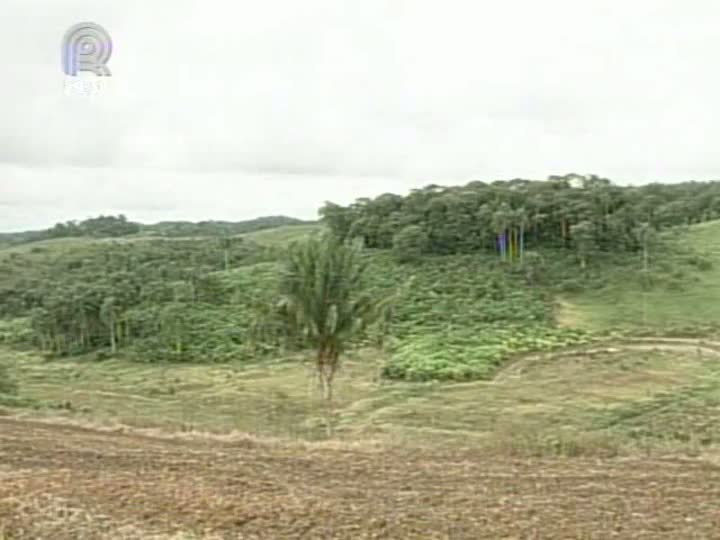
{"type": "Point", "coordinates": [474, 273]}
{"type": "Point", "coordinates": [588, 214]}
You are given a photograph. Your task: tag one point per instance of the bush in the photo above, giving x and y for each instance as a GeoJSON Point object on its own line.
{"type": "Point", "coordinates": [464, 354]}
{"type": "Point", "coordinates": [571, 285]}
{"type": "Point", "coordinates": [533, 267]}
{"type": "Point", "coordinates": [647, 281]}
{"type": "Point", "coordinates": [15, 331]}
{"type": "Point", "coordinates": [700, 262]}
{"type": "Point", "coordinates": [7, 383]}
{"type": "Point", "coordinates": [410, 243]}
{"type": "Point", "coordinates": [674, 284]}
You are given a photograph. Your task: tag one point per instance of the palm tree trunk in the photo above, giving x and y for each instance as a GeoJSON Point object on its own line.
{"type": "Point", "coordinates": [327, 393]}
{"type": "Point", "coordinates": [113, 345]}
{"type": "Point", "coordinates": [326, 365]}
{"type": "Point", "coordinates": [512, 245]}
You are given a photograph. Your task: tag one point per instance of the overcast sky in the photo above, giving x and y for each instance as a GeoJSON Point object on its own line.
{"type": "Point", "coordinates": [232, 109]}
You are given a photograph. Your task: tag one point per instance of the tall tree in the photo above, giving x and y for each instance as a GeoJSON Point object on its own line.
{"type": "Point", "coordinates": [500, 223]}
{"type": "Point", "coordinates": [584, 240]}
{"type": "Point", "coordinates": [325, 295]}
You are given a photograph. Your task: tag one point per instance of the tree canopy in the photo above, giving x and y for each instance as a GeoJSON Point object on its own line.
{"type": "Point", "coordinates": [584, 213]}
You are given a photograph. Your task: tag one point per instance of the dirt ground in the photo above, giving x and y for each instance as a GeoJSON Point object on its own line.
{"type": "Point", "coordinates": [63, 482]}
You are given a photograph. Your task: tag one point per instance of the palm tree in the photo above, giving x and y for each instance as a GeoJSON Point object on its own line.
{"type": "Point", "coordinates": [325, 298]}
{"type": "Point", "coordinates": [646, 237]}
{"type": "Point", "coordinates": [225, 243]}
{"type": "Point", "coordinates": [109, 315]}
{"type": "Point", "coordinates": [584, 240]}
{"type": "Point", "coordinates": [500, 221]}
{"type": "Point", "coordinates": [522, 220]}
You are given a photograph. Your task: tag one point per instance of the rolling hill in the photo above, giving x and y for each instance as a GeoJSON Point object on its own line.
{"type": "Point", "coordinates": [488, 373]}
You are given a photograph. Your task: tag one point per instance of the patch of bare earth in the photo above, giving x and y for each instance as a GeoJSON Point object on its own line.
{"type": "Point", "coordinates": [65, 482]}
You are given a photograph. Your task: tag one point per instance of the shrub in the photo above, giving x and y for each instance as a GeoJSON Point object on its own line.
{"type": "Point", "coordinates": [674, 284]}
{"type": "Point", "coordinates": [700, 262]}
{"type": "Point", "coordinates": [7, 383]}
{"type": "Point", "coordinates": [410, 243]}
{"type": "Point", "coordinates": [647, 281]}
{"type": "Point", "coordinates": [571, 285]}
{"type": "Point", "coordinates": [15, 331]}
{"type": "Point", "coordinates": [533, 267]}
{"type": "Point", "coordinates": [465, 354]}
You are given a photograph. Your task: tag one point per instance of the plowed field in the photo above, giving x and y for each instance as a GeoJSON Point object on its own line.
{"type": "Point", "coordinates": [61, 482]}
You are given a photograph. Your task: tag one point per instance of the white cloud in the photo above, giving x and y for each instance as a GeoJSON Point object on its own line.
{"type": "Point", "coordinates": [220, 109]}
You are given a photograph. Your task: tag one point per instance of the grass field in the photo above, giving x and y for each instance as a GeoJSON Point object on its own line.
{"type": "Point", "coordinates": [58, 245]}
{"type": "Point", "coordinates": [461, 461]}
{"type": "Point", "coordinates": [660, 395]}
{"type": "Point", "coordinates": [625, 304]}
{"type": "Point", "coordinates": [274, 236]}
{"type": "Point", "coordinates": [281, 235]}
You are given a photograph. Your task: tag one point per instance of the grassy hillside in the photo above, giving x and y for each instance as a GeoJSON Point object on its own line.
{"type": "Point", "coordinates": [461, 319]}
{"type": "Point", "coordinates": [573, 404]}
{"type": "Point", "coordinates": [119, 227]}
{"type": "Point", "coordinates": [459, 362]}
{"type": "Point", "coordinates": [279, 236]}
{"type": "Point", "coordinates": [688, 297]}
{"type": "Point", "coordinates": [218, 228]}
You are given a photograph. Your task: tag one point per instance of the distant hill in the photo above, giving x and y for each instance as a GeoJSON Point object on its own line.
{"type": "Point", "coordinates": [111, 226]}
{"type": "Point", "coordinates": [13, 239]}
{"type": "Point", "coordinates": [218, 228]}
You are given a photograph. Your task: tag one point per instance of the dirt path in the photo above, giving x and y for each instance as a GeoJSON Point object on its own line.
{"type": "Point", "coordinates": [640, 344]}
{"type": "Point", "coordinates": [62, 483]}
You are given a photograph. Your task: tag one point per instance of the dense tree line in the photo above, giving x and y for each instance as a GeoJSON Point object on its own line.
{"type": "Point", "coordinates": [115, 295]}
{"type": "Point", "coordinates": [584, 213]}
{"type": "Point", "coordinates": [97, 227]}
{"type": "Point", "coordinates": [168, 300]}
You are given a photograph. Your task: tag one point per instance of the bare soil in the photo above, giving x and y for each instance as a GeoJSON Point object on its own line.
{"type": "Point", "coordinates": [62, 482]}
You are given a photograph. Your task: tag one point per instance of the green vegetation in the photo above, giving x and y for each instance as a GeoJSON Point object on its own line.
{"type": "Point", "coordinates": [325, 300]}
{"type": "Point", "coordinates": [281, 236]}
{"type": "Point", "coordinates": [568, 405]}
{"type": "Point", "coordinates": [585, 214]}
{"type": "Point", "coordinates": [214, 298]}
{"type": "Point", "coordinates": [410, 243]}
{"type": "Point", "coordinates": [172, 229]}
{"type": "Point", "coordinates": [680, 295]}
{"type": "Point", "coordinates": [463, 317]}
{"type": "Point", "coordinates": [119, 226]}
{"type": "Point", "coordinates": [116, 296]}
{"type": "Point", "coordinates": [452, 286]}
{"type": "Point", "coordinates": [7, 383]}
